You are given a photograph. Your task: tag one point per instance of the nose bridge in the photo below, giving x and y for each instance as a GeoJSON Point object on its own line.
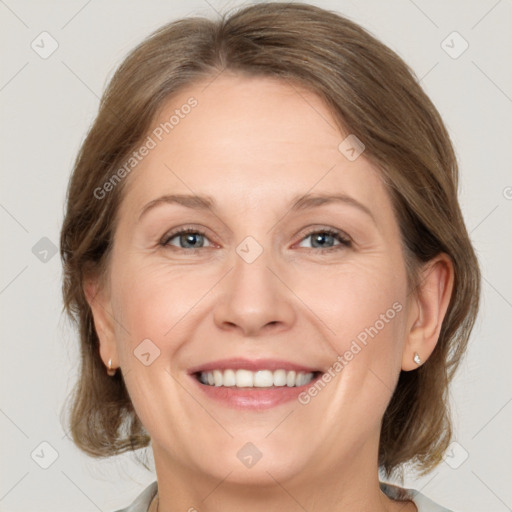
{"type": "Point", "coordinates": [252, 278]}
{"type": "Point", "coordinates": [252, 297]}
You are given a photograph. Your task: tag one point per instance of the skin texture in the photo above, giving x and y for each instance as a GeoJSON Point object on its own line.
{"type": "Point", "coordinates": [253, 144]}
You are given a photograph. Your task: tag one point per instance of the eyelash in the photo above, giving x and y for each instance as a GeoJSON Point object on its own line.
{"type": "Point", "coordinates": [343, 240]}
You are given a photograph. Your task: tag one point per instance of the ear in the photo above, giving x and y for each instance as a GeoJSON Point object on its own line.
{"type": "Point", "coordinates": [98, 297]}
{"type": "Point", "coordinates": [427, 309]}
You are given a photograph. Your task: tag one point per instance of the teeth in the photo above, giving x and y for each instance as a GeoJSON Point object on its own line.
{"type": "Point", "coordinates": [280, 378]}
{"type": "Point", "coordinates": [244, 379]}
{"type": "Point", "coordinates": [217, 377]}
{"type": "Point", "coordinates": [229, 378]}
{"type": "Point", "coordinates": [259, 379]}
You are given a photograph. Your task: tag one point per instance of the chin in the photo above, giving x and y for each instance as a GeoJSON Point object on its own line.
{"type": "Point", "coordinates": [259, 463]}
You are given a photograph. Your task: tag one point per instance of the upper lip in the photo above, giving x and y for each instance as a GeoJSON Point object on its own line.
{"type": "Point", "coordinates": [239, 363]}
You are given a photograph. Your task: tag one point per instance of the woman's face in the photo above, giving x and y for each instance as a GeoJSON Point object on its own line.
{"type": "Point", "coordinates": [292, 262]}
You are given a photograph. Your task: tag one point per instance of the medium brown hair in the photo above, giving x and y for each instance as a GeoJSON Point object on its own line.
{"type": "Point", "coordinates": [372, 94]}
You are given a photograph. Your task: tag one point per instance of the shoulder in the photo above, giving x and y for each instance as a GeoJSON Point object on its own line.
{"type": "Point", "coordinates": [143, 500]}
{"type": "Point", "coordinates": [423, 504]}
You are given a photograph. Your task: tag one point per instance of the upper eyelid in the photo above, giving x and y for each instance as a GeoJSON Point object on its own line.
{"type": "Point", "coordinates": [168, 235]}
{"type": "Point", "coordinates": [310, 230]}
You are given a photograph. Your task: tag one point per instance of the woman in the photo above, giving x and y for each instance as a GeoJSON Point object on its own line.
{"type": "Point", "coordinates": [268, 266]}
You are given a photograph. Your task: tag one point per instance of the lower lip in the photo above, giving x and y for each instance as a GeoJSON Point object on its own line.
{"type": "Point", "coordinates": [253, 398]}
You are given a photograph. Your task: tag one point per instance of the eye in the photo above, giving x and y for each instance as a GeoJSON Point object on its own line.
{"type": "Point", "coordinates": [325, 239]}
{"type": "Point", "coordinates": [186, 239]}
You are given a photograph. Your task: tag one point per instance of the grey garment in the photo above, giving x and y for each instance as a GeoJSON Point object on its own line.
{"type": "Point", "coordinates": [423, 504]}
{"type": "Point", "coordinates": [143, 500]}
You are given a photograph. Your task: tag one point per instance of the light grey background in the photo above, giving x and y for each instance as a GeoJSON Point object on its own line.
{"type": "Point", "coordinates": [47, 107]}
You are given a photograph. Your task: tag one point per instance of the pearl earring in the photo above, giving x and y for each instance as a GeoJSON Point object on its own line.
{"type": "Point", "coordinates": [417, 358]}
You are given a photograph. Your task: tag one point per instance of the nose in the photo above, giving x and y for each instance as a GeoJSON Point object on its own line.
{"type": "Point", "coordinates": [254, 299]}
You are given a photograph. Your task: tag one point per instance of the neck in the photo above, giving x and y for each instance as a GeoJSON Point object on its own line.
{"type": "Point", "coordinates": [350, 486]}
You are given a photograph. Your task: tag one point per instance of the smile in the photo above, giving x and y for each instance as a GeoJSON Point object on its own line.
{"type": "Point", "coordinates": [253, 384]}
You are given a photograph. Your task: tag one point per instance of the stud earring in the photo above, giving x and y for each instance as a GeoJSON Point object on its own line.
{"type": "Point", "coordinates": [111, 371]}
{"type": "Point", "coordinates": [417, 358]}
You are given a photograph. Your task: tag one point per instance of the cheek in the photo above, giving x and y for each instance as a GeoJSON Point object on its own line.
{"type": "Point", "coordinates": [153, 306]}
{"type": "Point", "coordinates": [355, 294]}
{"type": "Point", "coordinates": [151, 301]}
{"type": "Point", "coordinates": [363, 309]}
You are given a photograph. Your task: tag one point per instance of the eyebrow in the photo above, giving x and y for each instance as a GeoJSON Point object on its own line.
{"type": "Point", "coordinates": [314, 200]}
{"type": "Point", "coordinates": [189, 200]}
{"type": "Point", "coordinates": [300, 202]}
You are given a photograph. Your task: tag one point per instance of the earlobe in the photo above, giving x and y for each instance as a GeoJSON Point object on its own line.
{"type": "Point", "coordinates": [99, 303]}
{"type": "Point", "coordinates": [431, 299]}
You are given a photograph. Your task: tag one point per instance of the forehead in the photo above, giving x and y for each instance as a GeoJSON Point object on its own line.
{"type": "Point", "coordinates": [248, 139]}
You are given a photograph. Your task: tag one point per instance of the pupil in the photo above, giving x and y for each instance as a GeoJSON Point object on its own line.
{"type": "Point", "coordinates": [190, 239]}
{"type": "Point", "coordinates": [323, 239]}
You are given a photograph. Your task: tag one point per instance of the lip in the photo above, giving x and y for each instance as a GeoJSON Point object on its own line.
{"type": "Point", "coordinates": [240, 363]}
{"type": "Point", "coordinates": [256, 399]}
